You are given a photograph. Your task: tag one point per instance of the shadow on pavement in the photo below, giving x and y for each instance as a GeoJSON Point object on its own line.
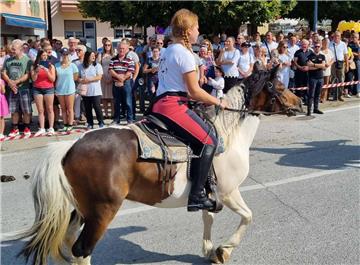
{"type": "Point", "coordinates": [112, 250]}
{"type": "Point", "coordinates": [334, 154]}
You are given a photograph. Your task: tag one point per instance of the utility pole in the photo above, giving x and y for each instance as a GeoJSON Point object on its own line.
{"type": "Point", "coordinates": [315, 15]}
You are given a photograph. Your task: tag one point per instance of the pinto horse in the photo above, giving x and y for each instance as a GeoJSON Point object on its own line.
{"type": "Point", "coordinates": [84, 182]}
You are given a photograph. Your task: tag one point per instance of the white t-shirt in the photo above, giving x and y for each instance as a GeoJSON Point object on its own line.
{"type": "Point", "coordinates": [341, 50]}
{"type": "Point", "coordinates": [272, 46]}
{"type": "Point", "coordinates": [174, 62]}
{"type": "Point", "coordinates": [94, 88]}
{"type": "Point", "coordinates": [292, 50]}
{"type": "Point", "coordinates": [218, 85]}
{"type": "Point", "coordinates": [245, 60]}
{"type": "Point", "coordinates": [230, 70]}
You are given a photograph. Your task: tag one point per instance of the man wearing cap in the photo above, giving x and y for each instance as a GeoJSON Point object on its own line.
{"type": "Point", "coordinates": [246, 61]}
{"type": "Point", "coordinates": [73, 43]}
{"type": "Point", "coordinates": [16, 73]}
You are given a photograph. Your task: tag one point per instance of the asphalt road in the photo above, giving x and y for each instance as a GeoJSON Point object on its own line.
{"type": "Point", "coordinates": [303, 189]}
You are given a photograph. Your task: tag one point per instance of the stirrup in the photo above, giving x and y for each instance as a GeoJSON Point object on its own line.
{"type": "Point", "coordinates": [200, 202]}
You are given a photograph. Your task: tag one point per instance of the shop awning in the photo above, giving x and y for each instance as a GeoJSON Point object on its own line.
{"type": "Point", "coordinates": [24, 21]}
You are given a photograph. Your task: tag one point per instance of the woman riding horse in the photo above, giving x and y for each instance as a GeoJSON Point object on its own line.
{"type": "Point", "coordinates": [177, 80]}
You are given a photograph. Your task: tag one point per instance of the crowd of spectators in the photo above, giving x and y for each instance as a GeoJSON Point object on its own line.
{"type": "Point", "coordinates": [77, 80]}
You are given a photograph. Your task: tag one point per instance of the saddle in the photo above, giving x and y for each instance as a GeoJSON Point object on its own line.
{"type": "Point", "coordinates": [160, 144]}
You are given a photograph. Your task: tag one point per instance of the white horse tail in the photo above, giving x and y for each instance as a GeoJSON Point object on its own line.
{"type": "Point", "coordinates": [53, 201]}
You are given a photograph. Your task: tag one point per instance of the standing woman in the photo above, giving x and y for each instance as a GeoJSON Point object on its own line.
{"type": "Point", "coordinates": [43, 76]}
{"type": "Point", "coordinates": [228, 60]}
{"type": "Point", "coordinates": [151, 68]}
{"type": "Point", "coordinates": [284, 60]}
{"type": "Point", "coordinates": [67, 74]}
{"type": "Point", "coordinates": [178, 81]}
{"type": "Point", "coordinates": [90, 74]}
{"type": "Point", "coordinates": [106, 81]}
{"type": "Point", "coordinates": [329, 60]}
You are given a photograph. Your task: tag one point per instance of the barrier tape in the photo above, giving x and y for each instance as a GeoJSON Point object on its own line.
{"type": "Point", "coordinates": [329, 85]}
{"type": "Point", "coordinates": [22, 136]}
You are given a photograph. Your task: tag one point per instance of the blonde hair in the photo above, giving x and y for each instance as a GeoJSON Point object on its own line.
{"type": "Point", "coordinates": [181, 22]}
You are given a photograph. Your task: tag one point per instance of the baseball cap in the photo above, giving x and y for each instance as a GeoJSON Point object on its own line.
{"type": "Point", "coordinates": [245, 44]}
{"type": "Point", "coordinates": [64, 51]}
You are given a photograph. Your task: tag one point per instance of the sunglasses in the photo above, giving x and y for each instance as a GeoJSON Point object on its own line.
{"type": "Point", "coordinates": [317, 46]}
{"type": "Point", "coordinates": [107, 45]}
{"type": "Point", "coordinates": [78, 50]}
{"type": "Point", "coordinates": [285, 47]}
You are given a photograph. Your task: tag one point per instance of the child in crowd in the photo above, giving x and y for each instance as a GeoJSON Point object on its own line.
{"type": "Point", "coordinates": [218, 83]}
{"type": "Point", "coordinates": [4, 109]}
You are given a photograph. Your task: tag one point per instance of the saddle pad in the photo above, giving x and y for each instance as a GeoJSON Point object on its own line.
{"type": "Point", "coordinates": [151, 150]}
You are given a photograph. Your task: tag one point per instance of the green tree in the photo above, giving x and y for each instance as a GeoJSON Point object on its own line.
{"type": "Point", "coordinates": [334, 10]}
{"type": "Point", "coordinates": [214, 16]}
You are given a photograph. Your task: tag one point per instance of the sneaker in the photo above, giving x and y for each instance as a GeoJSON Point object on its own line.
{"type": "Point", "coordinates": [101, 125]}
{"type": "Point", "coordinates": [2, 137]}
{"type": "Point", "coordinates": [40, 132]}
{"type": "Point", "coordinates": [90, 127]}
{"type": "Point", "coordinates": [69, 128]}
{"type": "Point", "coordinates": [14, 132]}
{"type": "Point", "coordinates": [50, 132]}
{"type": "Point", "coordinates": [347, 96]}
{"type": "Point", "coordinates": [27, 131]}
{"type": "Point", "coordinates": [358, 95]}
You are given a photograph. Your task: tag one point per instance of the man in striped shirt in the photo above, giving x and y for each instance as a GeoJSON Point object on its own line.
{"type": "Point", "coordinates": [121, 69]}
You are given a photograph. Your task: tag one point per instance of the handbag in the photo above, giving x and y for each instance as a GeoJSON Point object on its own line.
{"type": "Point", "coordinates": [82, 88]}
{"type": "Point", "coordinates": [338, 64]}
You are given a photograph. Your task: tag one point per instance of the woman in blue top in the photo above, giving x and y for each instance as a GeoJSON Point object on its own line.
{"type": "Point", "coordinates": [90, 75]}
{"type": "Point", "coordinates": [67, 74]}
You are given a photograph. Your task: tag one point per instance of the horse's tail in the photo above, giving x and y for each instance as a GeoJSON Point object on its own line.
{"type": "Point", "coordinates": [53, 201]}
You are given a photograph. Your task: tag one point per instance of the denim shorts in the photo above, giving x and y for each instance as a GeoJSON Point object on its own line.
{"type": "Point", "coordinates": [43, 91]}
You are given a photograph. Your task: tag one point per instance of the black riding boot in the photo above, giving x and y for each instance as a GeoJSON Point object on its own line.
{"type": "Point", "coordinates": [199, 170]}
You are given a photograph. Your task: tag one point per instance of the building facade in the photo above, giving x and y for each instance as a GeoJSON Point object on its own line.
{"type": "Point", "coordinates": [67, 22]}
{"type": "Point", "coordinates": [23, 19]}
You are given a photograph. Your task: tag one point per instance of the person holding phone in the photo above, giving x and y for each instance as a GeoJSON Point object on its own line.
{"type": "Point", "coordinates": [43, 76]}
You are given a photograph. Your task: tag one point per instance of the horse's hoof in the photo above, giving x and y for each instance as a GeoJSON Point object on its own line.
{"type": "Point", "coordinates": [222, 255]}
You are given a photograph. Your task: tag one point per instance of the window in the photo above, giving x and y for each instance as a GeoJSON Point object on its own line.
{"type": "Point", "coordinates": [73, 28]}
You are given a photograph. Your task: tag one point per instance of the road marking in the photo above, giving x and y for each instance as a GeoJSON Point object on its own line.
{"type": "Point", "coordinates": [341, 109]}
{"type": "Point", "coordinates": [265, 185]}
{"type": "Point", "coordinates": [247, 188]}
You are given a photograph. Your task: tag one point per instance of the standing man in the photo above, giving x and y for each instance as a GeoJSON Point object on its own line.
{"type": "Point", "coordinates": [16, 73]}
{"type": "Point", "coordinates": [340, 52]}
{"type": "Point", "coordinates": [122, 69]}
{"type": "Point", "coordinates": [292, 48]}
{"type": "Point", "coordinates": [301, 72]}
{"type": "Point", "coordinates": [316, 64]}
{"type": "Point", "coordinates": [73, 43]}
{"type": "Point", "coordinates": [270, 45]}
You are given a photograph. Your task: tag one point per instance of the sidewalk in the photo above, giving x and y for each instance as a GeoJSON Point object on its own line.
{"type": "Point", "coordinates": [38, 142]}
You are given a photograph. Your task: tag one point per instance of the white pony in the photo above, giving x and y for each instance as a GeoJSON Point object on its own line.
{"type": "Point", "coordinates": [96, 173]}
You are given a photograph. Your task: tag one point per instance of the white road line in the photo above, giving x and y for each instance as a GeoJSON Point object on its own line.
{"type": "Point", "coordinates": [265, 185]}
{"type": "Point", "coordinates": [341, 109]}
{"type": "Point", "coordinates": [247, 188]}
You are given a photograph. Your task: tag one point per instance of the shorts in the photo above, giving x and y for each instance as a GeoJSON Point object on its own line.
{"type": "Point", "coordinates": [43, 91]}
{"type": "Point", "coordinates": [20, 101]}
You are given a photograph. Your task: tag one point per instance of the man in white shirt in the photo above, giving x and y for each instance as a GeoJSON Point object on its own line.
{"type": "Point", "coordinates": [340, 52]}
{"type": "Point", "coordinates": [72, 44]}
{"type": "Point", "coordinates": [269, 44]}
{"type": "Point", "coordinates": [292, 48]}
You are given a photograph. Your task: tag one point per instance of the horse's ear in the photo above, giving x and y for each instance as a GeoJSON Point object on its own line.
{"type": "Point", "coordinates": [273, 72]}
{"type": "Point", "coordinates": [256, 67]}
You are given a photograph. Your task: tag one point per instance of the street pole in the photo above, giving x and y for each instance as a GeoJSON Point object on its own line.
{"type": "Point", "coordinates": [315, 15]}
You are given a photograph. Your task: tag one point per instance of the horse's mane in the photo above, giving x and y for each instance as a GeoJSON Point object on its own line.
{"type": "Point", "coordinates": [226, 122]}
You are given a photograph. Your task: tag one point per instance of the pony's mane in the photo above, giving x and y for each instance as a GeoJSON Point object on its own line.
{"type": "Point", "coordinates": [226, 122]}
